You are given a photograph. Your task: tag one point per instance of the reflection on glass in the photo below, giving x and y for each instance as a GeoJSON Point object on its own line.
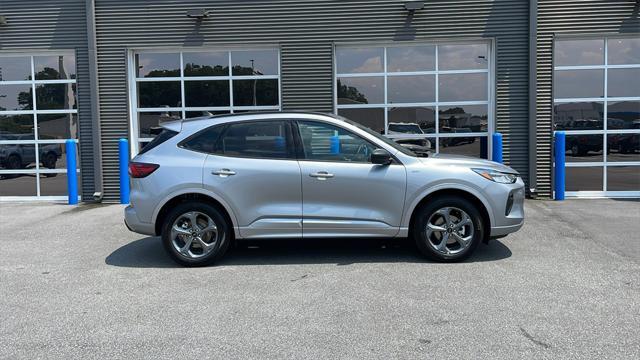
{"type": "Point", "coordinates": [361, 90]}
{"type": "Point", "coordinates": [578, 83]}
{"type": "Point", "coordinates": [326, 142]}
{"type": "Point", "coordinates": [14, 68]}
{"type": "Point", "coordinates": [54, 67]}
{"type": "Point", "coordinates": [11, 126]}
{"type": "Point", "coordinates": [463, 57]}
{"type": "Point", "coordinates": [579, 116]}
{"type": "Point", "coordinates": [584, 178]}
{"type": "Point", "coordinates": [623, 178]}
{"type": "Point", "coordinates": [371, 118]}
{"type": "Point", "coordinates": [206, 63]}
{"type": "Point", "coordinates": [18, 156]}
{"type": "Point", "coordinates": [467, 146]}
{"type": "Point", "coordinates": [467, 118]}
{"type": "Point", "coordinates": [159, 94]}
{"type": "Point", "coordinates": [17, 184]}
{"type": "Point", "coordinates": [623, 82]}
{"type": "Point", "coordinates": [411, 89]}
{"type": "Point", "coordinates": [157, 65]}
{"type": "Point", "coordinates": [463, 87]}
{"type": "Point", "coordinates": [148, 122]}
{"type": "Point", "coordinates": [579, 52]}
{"type": "Point", "coordinates": [193, 114]}
{"type": "Point", "coordinates": [623, 147]}
{"type": "Point", "coordinates": [411, 120]}
{"type": "Point", "coordinates": [623, 51]}
{"type": "Point", "coordinates": [411, 58]}
{"type": "Point", "coordinates": [54, 184]}
{"type": "Point", "coordinates": [57, 126]}
{"type": "Point", "coordinates": [255, 92]}
{"type": "Point", "coordinates": [55, 96]}
{"type": "Point", "coordinates": [623, 115]}
{"type": "Point", "coordinates": [359, 60]}
{"type": "Point", "coordinates": [16, 97]}
{"type": "Point", "coordinates": [580, 148]}
{"type": "Point", "coordinates": [206, 93]}
{"type": "Point", "coordinates": [52, 156]}
{"type": "Point", "coordinates": [255, 62]}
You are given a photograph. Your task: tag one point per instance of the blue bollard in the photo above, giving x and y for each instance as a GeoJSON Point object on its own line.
{"type": "Point", "coordinates": [559, 169]}
{"type": "Point", "coordinates": [334, 145]}
{"type": "Point", "coordinates": [496, 153]}
{"type": "Point", "coordinates": [72, 173]}
{"type": "Point", "coordinates": [123, 154]}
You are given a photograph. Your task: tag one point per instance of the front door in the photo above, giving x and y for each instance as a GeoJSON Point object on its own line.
{"type": "Point", "coordinates": [344, 194]}
{"type": "Point", "coordinates": [255, 171]}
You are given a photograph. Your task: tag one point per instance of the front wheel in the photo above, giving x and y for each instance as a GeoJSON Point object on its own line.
{"type": "Point", "coordinates": [448, 229]}
{"type": "Point", "coordinates": [195, 234]}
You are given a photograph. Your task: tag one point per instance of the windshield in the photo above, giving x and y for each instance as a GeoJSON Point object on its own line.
{"type": "Point", "coordinates": [388, 141]}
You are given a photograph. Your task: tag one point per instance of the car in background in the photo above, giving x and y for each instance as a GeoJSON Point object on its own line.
{"type": "Point", "coordinates": [20, 156]}
{"type": "Point", "coordinates": [456, 141]}
{"type": "Point", "coordinates": [419, 144]}
{"type": "Point", "coordinates": [201, 183]}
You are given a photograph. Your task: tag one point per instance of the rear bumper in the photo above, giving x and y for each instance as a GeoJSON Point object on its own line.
{"type": "Point", "coordinates": [134, 224]}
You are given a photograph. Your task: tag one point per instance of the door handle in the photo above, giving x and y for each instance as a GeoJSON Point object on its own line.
{"type": "Point", "coordinates": [223, 172]}
{"type": "Point", "coordinates": [321, 175]}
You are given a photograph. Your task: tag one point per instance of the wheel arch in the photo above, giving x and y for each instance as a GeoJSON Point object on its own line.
{"type": "Point", "coordinates": [192, 195]}
{"type": "Point", "coordinates": [476, 199]}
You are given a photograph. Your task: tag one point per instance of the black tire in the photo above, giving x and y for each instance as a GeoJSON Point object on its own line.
{"type": "Point", "coordinates": [424, 213]}
{"type": "Point", "coordinates": [49, 160]}
{"type": "Point", "coordinates": [14, 162]}
{"type": "Point", "coordinates": [220, 248]}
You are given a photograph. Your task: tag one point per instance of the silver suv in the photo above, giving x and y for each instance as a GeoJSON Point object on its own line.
{"type": "Point", "coordinates": [201, 183]}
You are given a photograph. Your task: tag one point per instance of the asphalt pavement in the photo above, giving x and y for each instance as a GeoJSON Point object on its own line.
{"type": "Point", "coordinates": [75, 283]}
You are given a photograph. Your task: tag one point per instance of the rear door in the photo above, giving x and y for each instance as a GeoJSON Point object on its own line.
{"type": "Point", "coordinates": [254, 169]}
{"type": "Point", "coordinates": [343, 193]}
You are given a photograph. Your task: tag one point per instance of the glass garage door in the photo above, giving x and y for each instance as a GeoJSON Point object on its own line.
{"type": "Point", "coordinates": [596, 89]}
{"type": "Point", "coordinates": [429, 96]}
{"type": "Point", "coordinates": [38, 113]}
{"type": "Point", "coordinates": [168, 85]}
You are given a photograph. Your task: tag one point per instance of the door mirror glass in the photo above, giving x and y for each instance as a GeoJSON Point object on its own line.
{"type": "Point", "coordinates": [381, 157]}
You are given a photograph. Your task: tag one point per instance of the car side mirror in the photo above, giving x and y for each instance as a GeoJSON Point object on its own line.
{"type": "Point", "coordinates": [381, 157]}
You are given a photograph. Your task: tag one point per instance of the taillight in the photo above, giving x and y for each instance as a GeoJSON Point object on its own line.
{"type": "Point", "coordinates": [140, 170]}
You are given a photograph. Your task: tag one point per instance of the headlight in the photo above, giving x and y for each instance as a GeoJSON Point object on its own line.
{"type": "Point", "coordinates": [497, 176]}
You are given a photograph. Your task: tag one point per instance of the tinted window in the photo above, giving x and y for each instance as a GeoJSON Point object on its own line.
{"type": "Point", "coordinates": [259, 139]}
{"type": "Point", "coordinates": [204, 141]}
{"type": "Point", "coordinates": [326, 142]}
{"type": "Point", "coordinates": [162, 137]}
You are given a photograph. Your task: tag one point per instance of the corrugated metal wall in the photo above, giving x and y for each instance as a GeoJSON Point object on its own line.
{"type": "Point", "coordinates": [306, 32]}
{"type": "Point", "coordinates": [55, 25]}
{"type": "Point", "coordinates": [562, 17]}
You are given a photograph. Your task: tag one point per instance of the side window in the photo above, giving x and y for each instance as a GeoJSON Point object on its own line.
{"type": "Point", "coordinates": [205, 141]}
{"type": "Point", "coordinates": [325, 142]}
{"type": "Point", "coordinates": [259, 139]}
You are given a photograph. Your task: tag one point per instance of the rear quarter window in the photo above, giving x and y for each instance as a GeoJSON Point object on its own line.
{"type": "Point", "coordinates": [164, 135]}
{"type": "Point", "coordinates": [205, 140]}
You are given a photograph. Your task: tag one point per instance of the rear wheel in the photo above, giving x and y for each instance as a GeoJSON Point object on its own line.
{"type": "Point", "coordinates": [195, 234]}
{"type": "Point", "coordinates": [448, 229]}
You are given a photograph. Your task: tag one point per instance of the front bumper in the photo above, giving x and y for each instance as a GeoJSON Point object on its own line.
{"type": "Point", "coordinates": [134, 224]}
{"type": "Point", "coordinates": [508, 208]}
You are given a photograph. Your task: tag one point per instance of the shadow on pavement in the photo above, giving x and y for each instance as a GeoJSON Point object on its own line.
{"type": "Point", "coordinates": [149, 253]}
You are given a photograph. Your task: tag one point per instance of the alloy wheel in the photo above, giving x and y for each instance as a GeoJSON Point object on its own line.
{"type": "Point", "coordinates": [449, 230]}
{"type": "Point", "coordinates": [194, 234]}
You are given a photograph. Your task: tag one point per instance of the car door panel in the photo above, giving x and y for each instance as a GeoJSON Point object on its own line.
{"type": "Point", "coordinates": [343, 194]}
{"type": "Point", "coordinates": [359, 200]}
{"type": "Point", "coordinates": [265, 193]}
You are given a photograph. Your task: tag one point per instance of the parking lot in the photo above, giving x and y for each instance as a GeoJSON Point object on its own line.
{"type": "Point", "coordinates": [75, 283]}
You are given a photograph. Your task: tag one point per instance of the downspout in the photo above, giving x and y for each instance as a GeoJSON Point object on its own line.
{"type": "Point", "coordinates": [533, 119]}
{"type": "Point", "coordinates": [95, 100]}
